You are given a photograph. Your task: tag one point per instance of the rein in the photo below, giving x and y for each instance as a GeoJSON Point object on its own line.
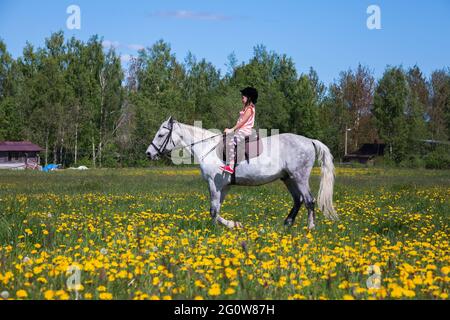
{"type": "Point", "coordinates": [161, 150]}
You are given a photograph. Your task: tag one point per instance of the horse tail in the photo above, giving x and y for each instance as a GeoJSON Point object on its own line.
{"type": "Point", "coordinates": [325, 196]}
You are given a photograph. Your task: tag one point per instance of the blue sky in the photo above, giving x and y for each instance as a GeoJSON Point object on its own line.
{"type": "Point", "coordinates": [330, 36]}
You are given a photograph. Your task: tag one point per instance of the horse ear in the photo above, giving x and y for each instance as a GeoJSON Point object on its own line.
{"type": "Point", "coordinates": [172, 120]}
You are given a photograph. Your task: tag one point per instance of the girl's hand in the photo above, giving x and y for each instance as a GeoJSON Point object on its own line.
{"type": "Point", "coordinates": [228, 130]}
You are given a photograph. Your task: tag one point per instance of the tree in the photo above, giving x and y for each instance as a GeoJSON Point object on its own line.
{"type": "Point", "coordinates": [78, 77]}
{"type": "Point", "coordinates": [318, 86]}
{"type": "Point", "coordinates": [111, 76]}
{"type": "Point", "coordinates": [416, 109]}
{"type": "Point", "coordinates": [10, 126]}
{"type": "Point", "coordinates": [439, 110]}
{"type": "Point", "coordinates": [5, 69]}
{"type": "Point", "coordinates": [50, 115]}
{"type": "Point", "coordinates": [159, 79]}
{"type": "Point", "coordinates": [333, 116]}
{"type": "Point", "coordinates": [356, 89]}
{"type": "Point", "coordinates": [390, 104]}
{"type": "Point", "coordinates": [200, 86]}
{"type": "Point", "coordinates": [231, 64]}
{"type": "Point", "coordinates": [304, 109]}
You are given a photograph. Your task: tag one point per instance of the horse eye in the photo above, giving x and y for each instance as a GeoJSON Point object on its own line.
{"type": "Point", "coordinates": [160, 136]}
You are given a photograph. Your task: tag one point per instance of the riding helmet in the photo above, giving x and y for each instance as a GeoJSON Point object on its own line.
{"type": "Point", "coordinates": [251, 93]}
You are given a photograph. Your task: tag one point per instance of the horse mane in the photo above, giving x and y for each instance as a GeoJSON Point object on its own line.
{"type": "Point", "coordinates": [197, 133]}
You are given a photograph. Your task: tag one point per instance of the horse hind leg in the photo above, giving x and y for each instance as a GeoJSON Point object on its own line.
{"type": "Point", "coordinates": [297, 197]}
{"type": "Point", "coordinates": [309, 204]}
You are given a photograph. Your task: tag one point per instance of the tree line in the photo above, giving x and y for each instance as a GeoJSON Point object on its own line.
{"type": "Point", "coordinates": [75, 100]}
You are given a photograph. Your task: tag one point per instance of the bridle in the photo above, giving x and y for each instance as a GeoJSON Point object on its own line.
{"type": "Point", "coordinates": [161, 149]}
{"type": "Point", "coordinates": [163, 146]}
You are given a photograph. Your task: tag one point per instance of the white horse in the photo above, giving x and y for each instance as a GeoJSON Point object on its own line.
{"type": "Point", "coordinates": [292, 163]}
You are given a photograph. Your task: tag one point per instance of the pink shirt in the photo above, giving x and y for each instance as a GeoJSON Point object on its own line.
{"type": "Point", "coordinates": [246, 128]}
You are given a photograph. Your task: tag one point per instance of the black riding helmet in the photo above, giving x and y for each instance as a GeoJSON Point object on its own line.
{"type": "Point", "coordinates": [250, 93]}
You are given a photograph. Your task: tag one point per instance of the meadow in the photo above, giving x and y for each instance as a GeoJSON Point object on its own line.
{"type": "Point", "coordinates": [147, 234]}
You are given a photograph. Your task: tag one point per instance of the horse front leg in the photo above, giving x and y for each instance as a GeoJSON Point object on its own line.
{"type": "Point", "coordinates": [214, 209]}
{"type": "Point", "coordinates": [217, 197]}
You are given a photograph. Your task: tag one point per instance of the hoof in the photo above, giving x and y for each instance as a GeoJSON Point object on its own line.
{"type": "Point", "coordinates": [311, 227]}
{"type": "Point", "coordinates": [235, 224]}
{"type": "Point", "coordinates": [288, 222]}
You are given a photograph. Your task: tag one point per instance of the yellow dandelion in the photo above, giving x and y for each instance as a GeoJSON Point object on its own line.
{"type": "Point", "coordinates": [49, 294]}
{"type": "Point", "coordinates": [230, 291]}
{"type": "Point", "coordinates": [105, 296]}
{"type": "Point", "coordinates": [21, 294]}
{"type": "Point", "coordinates": [214, 290]}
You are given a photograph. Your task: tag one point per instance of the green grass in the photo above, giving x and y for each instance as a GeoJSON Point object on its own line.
{"type": "Point", "coordinates": [156, 228]}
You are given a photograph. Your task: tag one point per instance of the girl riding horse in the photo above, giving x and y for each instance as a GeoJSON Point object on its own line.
{"type": "Point", "coordinates": [243, 126]}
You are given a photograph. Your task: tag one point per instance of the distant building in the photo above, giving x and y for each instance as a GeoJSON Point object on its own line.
{"type": "Point", "coordinates": [367, 152]}
{"type": "Point", "coordinates": [19, 155]}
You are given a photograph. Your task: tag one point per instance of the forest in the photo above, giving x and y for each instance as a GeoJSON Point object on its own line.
{"type": "Point", "coordinates": [83, 106]}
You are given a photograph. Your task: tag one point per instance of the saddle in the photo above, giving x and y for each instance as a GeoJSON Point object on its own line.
{"type": "Point", "coordinates": [253, 147]}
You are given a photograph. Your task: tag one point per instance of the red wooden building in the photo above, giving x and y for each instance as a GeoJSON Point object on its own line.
{"type": "Point", "coordinates": [19, 154]}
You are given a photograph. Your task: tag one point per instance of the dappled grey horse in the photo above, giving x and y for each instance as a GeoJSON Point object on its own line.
{"type": "Point", "coordinates": [286, 156]}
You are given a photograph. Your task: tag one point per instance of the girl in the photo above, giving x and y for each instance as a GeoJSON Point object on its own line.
{"type": "Point", "coordinates": [243, 126]}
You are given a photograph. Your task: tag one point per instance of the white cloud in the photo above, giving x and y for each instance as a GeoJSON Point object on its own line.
{"type": "Point", "coordinates": [125, 58]}
{"type": "Point", "coordinates": [110, 44]}
{"type": "Point", "coordinates": [186, 14]}
{"type": "Point", "coordinates": [116, 44]}
{"type": "Point", "coordinates": [135, 46]}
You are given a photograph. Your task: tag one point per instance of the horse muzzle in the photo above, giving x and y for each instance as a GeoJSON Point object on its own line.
{"type": "Point", "coordinates": [151, 157]}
